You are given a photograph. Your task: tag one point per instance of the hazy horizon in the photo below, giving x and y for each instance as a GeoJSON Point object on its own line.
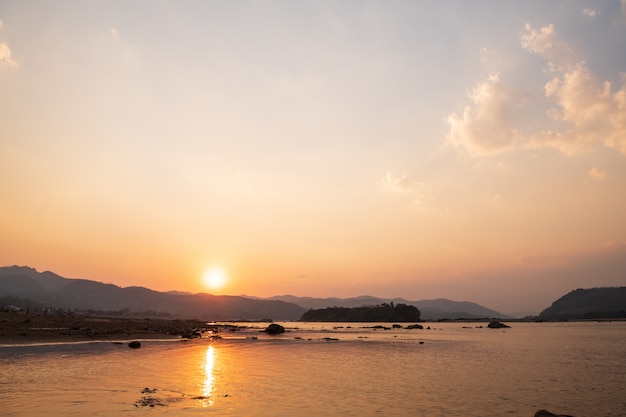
{"type": "Point", "coordinates": [474, 151]}
{"type": "Point", "coordinates": [512, 313]}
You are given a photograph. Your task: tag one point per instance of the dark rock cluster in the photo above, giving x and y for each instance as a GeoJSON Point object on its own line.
{"type": "Point", "coordinates": [546, 413]}
{"type": "Point", "coordinates": [274, 329]}
{"type": "Point", "coordinates": [495, 324]}
{"type": "Point", "coordinates": [148, 400]}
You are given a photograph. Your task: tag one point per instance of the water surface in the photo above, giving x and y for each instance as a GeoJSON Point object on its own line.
{"type": "Point", "coordinates": [448, 370]}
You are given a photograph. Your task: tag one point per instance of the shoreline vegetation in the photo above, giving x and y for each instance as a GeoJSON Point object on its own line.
{"type": "Point", "coordinates": [25, 289]}
{"type": "Point", "coordinates": [378, 313]}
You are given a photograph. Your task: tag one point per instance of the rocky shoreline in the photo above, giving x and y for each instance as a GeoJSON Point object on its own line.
{"type": "Point", "coordinates": [28, 328]}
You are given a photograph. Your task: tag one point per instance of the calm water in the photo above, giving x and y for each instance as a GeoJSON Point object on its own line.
{"type": "Point", "coordinates": [571, 368]}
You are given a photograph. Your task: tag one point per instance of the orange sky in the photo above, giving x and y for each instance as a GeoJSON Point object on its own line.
{"type": "Point", "coordinates": [319, 149]}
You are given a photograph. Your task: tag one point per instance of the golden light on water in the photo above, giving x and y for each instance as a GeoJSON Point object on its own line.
{"type": "Point", "coordinates": [207, 387]}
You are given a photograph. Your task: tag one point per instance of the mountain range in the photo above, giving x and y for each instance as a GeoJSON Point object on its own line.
{"type": "Point", "coordinates": [437, 309]}
{"type": "Point", "coordinates": [25, 287]}
{"type": "Point", "coordinates": [46, 289]}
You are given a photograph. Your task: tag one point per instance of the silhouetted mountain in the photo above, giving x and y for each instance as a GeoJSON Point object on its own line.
{"type": "Point", "coordinates": [593, 303]}
{"type": "Point", "coordinates": [48, 289]}
{"type": "Point", "coordinates": [430, 309]}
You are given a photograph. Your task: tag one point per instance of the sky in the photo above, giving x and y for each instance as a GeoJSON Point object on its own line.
{"type": "Point", "coordinates": [474, 151]}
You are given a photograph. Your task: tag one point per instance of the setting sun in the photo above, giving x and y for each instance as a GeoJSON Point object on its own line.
{"type": "Point", "coordinates": [214, 278]}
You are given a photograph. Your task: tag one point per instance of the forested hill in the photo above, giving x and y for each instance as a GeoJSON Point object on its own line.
{"type": "Point", "coordinates": [379, 313]}
{"type": "Point", "coordinates": [592, 303]}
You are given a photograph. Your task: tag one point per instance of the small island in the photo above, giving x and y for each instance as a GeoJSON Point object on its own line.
{"type": "Point", "coordinates": [378, 313]}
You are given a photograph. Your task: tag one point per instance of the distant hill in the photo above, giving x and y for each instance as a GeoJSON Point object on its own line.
{"type": "Point", "coordinates": [593, 303]}
{"type": "Point", "coordinates": [32, 289]}
{"type": "Point", "coordinates": [430, 309]}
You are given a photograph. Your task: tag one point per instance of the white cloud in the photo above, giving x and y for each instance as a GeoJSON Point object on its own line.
{"type": "Point", "coordinates": [484, 55]}
{"type": "Point", "coordinates": [547, 43]}
{"type": "Point", "coordinates": [402, 184]}
{"type": "Point", "coordinates": [591, 112]}
{"type": "Point", "coordinates": [584, 111]}
{"type": "Point", "coordinates": [115, 34]}
{"type": "Point", "coordinates": [598, 174]}
{"type": "Point", "coordinates": [6, 60]}
{"type": "Point", "coordinates": [488, 125]}
{"type": "Point", "coordinates": [590, 12]}
{"type": "Point", "coordinates": [123, 49]}
{"type": "Point", "coordinates": [399, 183]}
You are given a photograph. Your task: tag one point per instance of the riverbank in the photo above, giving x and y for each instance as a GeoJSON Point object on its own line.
{"type": "Point", "coordinates": [26, 328]}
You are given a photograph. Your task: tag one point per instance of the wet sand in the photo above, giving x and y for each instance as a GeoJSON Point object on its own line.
{"type": "Point", "coordinates": [23, 328]}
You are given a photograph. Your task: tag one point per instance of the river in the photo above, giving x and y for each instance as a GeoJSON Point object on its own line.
{"type": "Point", "coordinates": [330, 369]}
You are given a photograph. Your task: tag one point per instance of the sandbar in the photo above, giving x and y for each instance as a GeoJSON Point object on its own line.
{"type": "Point", "coordinates": [19, 328]}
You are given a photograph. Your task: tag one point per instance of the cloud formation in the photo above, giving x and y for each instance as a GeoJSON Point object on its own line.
{"type": "Point", "coordinates": [6, 59]}
{"type": "Point", "coordinates": [547, 43]}
{"type": "Point", "coordinates": [399, 183]}
{"type": "Point", "coordinates": [583, 112]}
{"type": "Point", "coordinates": [488, 125]}
{"type": "Point", "coordinates": [588, 107]}
{"type": "Point", "coordinates": [590, 12]}
{"type": "Point", "coordinates": [115, 34]}
{"type": "Point", "coordinates": [598, 174]}
{"type": "Point", "coordinates": [402, 184]}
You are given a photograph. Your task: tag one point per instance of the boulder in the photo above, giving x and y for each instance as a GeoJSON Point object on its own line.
{"type": "Point", "coordinates": [135, 344]}
{"type": "Point", "coordinates": [274, 329]}
{"type": "Point", "coordinates": [495, 324]}
{"type": "Point", "coordinates": [546, 413]}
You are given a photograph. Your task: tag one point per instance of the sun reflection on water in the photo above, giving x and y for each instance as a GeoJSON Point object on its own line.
{"type": "Point", "coordinates": [207, 386]}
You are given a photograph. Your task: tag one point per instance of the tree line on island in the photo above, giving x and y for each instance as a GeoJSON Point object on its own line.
{"type": "Point", "coordinates": [385, 312]}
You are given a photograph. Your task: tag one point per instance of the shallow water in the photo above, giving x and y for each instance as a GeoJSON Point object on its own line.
{"type": "Point", "coordinates": [449, 370]}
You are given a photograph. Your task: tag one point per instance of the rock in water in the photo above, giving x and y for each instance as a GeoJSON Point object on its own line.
{"type": "Point", "coordinates": [135, 344]}
{"type": "Point", "coordinates": [274, 329]}
{"type": "Point", "coordinates": [546, 413]}
{"type": "Point", "coordinates": [495, 324]}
